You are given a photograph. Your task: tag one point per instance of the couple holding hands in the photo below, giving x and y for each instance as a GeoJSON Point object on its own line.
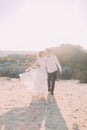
{"type": "Point", "coordinates": [41, 77]}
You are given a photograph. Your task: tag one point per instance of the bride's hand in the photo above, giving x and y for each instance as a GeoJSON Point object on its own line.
{"type": "Point", "coordinates": [27, 70]}
{"type": "Point", "coordinates": [36, 67]}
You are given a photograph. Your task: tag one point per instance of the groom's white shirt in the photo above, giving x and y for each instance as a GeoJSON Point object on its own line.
{"type": "Point", "coordinates": [52, 63]}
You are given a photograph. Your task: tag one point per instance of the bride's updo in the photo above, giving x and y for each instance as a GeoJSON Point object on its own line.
{"type": "Point", "coordinates": [41, 54]}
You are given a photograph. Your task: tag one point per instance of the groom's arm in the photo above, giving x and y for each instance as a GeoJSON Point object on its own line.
{"type": "Point", "coordinates": [58, 64]}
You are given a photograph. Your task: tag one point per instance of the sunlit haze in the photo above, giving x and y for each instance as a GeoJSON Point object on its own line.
{"type": "Point", "coordinates": [37, 24]}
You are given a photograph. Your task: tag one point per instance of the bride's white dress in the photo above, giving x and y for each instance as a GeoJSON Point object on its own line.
{"type": "Point", "coordinates": [36, 79]}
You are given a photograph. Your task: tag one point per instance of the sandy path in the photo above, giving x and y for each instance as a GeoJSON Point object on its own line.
{"type": "Point", "coordinates": [66, 110]}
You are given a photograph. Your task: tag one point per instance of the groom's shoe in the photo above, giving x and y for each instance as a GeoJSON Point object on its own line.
{"type": "Point", "coordinates": [48, 90]}
{"type": "Point", "coordinates": [52, 93]}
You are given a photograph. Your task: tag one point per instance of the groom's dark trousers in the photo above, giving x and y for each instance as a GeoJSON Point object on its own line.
{"type": "Point", "coordinates": [51, 81]}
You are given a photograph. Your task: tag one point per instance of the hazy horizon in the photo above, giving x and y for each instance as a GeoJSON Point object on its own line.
{"type": "Point", "coordinates": [34, 51]}
{"type": "Point", "coordinates": [34, 25]}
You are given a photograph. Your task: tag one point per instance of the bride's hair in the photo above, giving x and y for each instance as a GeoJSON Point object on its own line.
{"type": "Point", "coordinates": [40, 54]}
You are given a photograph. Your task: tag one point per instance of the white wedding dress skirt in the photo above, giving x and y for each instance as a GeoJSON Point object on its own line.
{"type": "Point", "coordinates": [35, 80]}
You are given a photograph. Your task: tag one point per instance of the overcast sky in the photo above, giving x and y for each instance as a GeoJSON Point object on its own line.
{"type": "Point", "coordinates": [37, 24]}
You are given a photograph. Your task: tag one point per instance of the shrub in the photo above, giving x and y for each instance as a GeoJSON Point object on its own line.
{"type": "Point", "coordinates": [67, 72]}
{"type": "Point", "coordinates": [83, 76]}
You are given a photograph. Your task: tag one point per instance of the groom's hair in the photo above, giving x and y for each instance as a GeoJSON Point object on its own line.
{"type": "Point", "coordinates": [48, 50]}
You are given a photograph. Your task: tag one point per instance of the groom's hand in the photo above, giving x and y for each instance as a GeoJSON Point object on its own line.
{"type": "Point", "coordinates": [61, 72]}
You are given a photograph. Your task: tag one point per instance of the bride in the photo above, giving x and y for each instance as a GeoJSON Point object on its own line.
{"type": "Point", "coordinates": [35, 77]}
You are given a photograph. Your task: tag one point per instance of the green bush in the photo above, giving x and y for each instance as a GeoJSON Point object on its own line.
{"type": "Point", "coordinates": [83, 76]}
{"type": "Point", "coordinates": [67, 72]}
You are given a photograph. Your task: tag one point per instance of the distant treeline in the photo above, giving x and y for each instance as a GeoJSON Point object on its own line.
{"type": "Point", "coordinates": [72, 58]}
{"type": "Point", "coordinates": [13, 65]}
{"type": "Point", "coordinates": [74, 61]}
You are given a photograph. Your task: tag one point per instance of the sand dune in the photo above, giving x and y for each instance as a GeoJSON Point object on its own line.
{"type": "Point", "coordinates": [20, 110]}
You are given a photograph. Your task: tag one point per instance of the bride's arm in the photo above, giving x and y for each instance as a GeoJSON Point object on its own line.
{"type": "Point", "coordinates": [34, 66]}
{"type": "Point", "coordinates": [28, 69]}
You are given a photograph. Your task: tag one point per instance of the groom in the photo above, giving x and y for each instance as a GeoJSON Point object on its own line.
{"type": "Point", "coordinates": [51, 64]}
